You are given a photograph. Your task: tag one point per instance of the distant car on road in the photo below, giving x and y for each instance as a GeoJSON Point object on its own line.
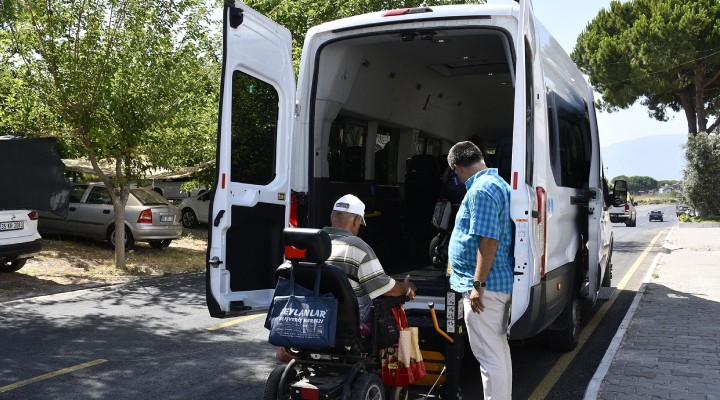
{"type": "Point", "coordinates": [656, 215]}
{"type": "Point", "coordinates": [148, 217]}
{"type": "Point", "coordinates": [195, 209]}
{"type": "Point", "coordinates": [19, 238]}
{"type": "Point", "coordinates": [625, 213]}
{"type": "Point", "coordinates": [681, 209]}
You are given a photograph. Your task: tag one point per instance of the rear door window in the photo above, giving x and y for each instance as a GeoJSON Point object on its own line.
{"type": "Point", "coordinates": [253, 129]}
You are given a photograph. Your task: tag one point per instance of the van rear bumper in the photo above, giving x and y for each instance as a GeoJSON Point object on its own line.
{"type": "Point", "coordinates": [547, 301]}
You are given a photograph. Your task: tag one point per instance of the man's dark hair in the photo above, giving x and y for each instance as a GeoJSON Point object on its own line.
{"type": "Point", "coordinates": [464, 154]}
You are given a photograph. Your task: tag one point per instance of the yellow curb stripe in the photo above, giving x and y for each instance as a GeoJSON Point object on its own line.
{"type": "Point", "coordinates": [542, 390]}
{"type": "Point", "coordinates": [234, 322]}
{"type": "Point", "coordinates": [51, 375]}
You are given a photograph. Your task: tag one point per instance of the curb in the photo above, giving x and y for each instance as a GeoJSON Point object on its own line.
{"type": "Point", "coordinates": [593, 389]}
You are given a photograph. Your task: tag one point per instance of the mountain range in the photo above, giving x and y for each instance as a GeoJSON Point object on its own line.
{"type": "Point", "coordinates": [660, 157]}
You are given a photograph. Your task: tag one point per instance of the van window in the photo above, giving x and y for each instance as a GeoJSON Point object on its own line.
{"type": "Point", "coordinates": [253, 129]}
{"type": "Point", "coordinates": [529, 116]}
{"type": "Point", "coordinates": [346, 149]}
{"type": "Point", "coordinates": [428, 145]}
{"type": "Point", "coordinates": [569, 144]}
{"type": "Point", "coordinates": [386, 155]}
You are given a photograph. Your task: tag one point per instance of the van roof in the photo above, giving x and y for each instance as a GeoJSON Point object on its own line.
{"type": "Point", "coordinates": [460, 11]}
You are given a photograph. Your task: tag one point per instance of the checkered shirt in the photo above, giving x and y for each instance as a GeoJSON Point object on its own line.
{"type": "Point", "coordinates": [484, 212]}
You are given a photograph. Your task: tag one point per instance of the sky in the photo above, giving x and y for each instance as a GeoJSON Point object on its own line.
{"type": "Point", "coordinates": [566, 19]}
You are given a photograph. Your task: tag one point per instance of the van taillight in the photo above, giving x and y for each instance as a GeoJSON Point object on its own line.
{"type": "Point", "coordinates": [294, 210]}
{"type": "Point", "coordinates": [145, 217]}
{"type": "Point", "coordinates": [33, 215]}
{"type": "Point", "coordinates": [542, 226]}
{"type": "Point", "coordinates": [627, 207]}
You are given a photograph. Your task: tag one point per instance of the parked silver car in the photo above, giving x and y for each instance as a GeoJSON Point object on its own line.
{"type": "Point", "coordinates": [148, 217]}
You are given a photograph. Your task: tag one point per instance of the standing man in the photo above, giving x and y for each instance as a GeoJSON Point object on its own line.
{"type": "Point", "coordinates": [482, 265]}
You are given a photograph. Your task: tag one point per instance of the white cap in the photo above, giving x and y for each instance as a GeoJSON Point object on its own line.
{"type": "Point", "coordinates": [351, 204]}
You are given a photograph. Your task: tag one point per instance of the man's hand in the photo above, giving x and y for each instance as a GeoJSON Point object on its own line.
{"type": "Point", "coordinates": [410, 293]}
{"type": "Point", "coordinates": [476, 300]}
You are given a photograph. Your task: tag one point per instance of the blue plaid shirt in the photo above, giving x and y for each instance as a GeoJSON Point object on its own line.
{"type": "Point", "coordinates": [484, 212]}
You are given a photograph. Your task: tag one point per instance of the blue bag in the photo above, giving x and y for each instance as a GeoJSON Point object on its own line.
{"type": "Point", "coordinates": [285, 288]}
{"type": "Point", "coordinates": [303, 321]}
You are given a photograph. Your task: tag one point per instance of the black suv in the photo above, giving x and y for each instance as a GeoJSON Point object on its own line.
{"type": "Point", "coordinates": [656, 215]}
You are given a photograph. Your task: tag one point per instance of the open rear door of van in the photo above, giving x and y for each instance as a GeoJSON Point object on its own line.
{"type": "Point", "coordinates": [595, 240]}
{"type": "Point", "coordinates": [251, 192]}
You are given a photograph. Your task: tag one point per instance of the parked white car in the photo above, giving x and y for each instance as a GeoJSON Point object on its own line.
{"type": "Point", "coordinates": [195, 209]}
{"type": "Point", "coordinates": [19, 238]}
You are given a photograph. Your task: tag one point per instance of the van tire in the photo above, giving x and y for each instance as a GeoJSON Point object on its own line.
{"type": "Point", "coordinates": [12, 266]}
{"type": "Point", "coordinates": [396, 393]}
{"type": "Point", "coordinates": [274, 381]}
{"type": "Point", "coordinates": [567, 338]}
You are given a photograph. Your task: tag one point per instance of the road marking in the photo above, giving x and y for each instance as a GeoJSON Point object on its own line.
{"type": "Point", "coordinates": [234, 322]}
{"type": "Point", "coordinates": [542, 390]}
{"type": "Point", "coordinates": [51, 375]}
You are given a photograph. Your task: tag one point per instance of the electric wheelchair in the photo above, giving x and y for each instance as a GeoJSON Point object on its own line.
{"type": "Point", "coordinates": [350, 370]}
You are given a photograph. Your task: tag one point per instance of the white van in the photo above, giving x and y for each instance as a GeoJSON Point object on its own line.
{"type": "Point", "coordinates": [380, 100]}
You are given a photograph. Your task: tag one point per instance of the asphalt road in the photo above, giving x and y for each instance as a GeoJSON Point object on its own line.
{"type": "Point", "coordinates": [155, 340]}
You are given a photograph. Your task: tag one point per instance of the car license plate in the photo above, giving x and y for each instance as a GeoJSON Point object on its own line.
{"type": "Point", "coordinates": [12, 225]}
{"type": "Point", "coordinates": [166, 218]}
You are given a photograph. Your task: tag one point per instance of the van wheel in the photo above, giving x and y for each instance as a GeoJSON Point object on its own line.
{"type": "Point", "coordinates": [608, 271]}
{"type": "Point", "coordinates": [368, 386]}
{"type": "Point", "coordinates": [434, 243]}
{"type": "Point", "coordinates": [160, 244]}
{"type": "Point", "coordinates": [129, 240]}
{"type": "Point", "coordinates": [12, 266]}
{"type": "Point", "coordinates": [274, 384]}
{"type": "Point", "coordinates": [566, 338]}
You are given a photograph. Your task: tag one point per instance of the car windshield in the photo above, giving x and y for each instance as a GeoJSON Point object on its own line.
{"type": "Point", "coordinates": [149, 197]}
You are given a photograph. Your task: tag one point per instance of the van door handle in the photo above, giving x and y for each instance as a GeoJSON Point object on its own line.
{"type": "Point", "coordinates": [218, 217]}
{"type": "Point", "coordinates": [72, 209]}
{"type": "Point", "coordinates": [106, 211]}
{"type": "Point", "coordinates": [214, 262]}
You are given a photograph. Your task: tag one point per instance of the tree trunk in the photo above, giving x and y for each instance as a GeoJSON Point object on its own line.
{"type": "Point", "coordinates": [689, 108]}
{"type": "Point", "coordinates": [700, 99]}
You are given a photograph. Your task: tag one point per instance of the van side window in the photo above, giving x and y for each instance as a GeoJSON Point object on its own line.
{"type": "Point", "coordinates": [569, 145]}
{"type": "Point", "coordinates": [529, 116]}
{"type": "Point", "coordinates": [253, 129]}
{"type": "Point", "coordinates": [346, 149]}
{"type": "Point", "coordinates": [386, 156]}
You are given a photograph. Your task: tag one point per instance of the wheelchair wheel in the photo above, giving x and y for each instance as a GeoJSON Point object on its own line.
{"type": "Point", "coordinates": [368, 387]}
{"type": "Point", "coordinates": [273, 385]}
{"type": "Point", "coordinates": [396, 393]}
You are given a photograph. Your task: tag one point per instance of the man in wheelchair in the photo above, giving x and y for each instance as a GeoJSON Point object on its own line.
{"type": "Point", "coordinates": [349, 270]}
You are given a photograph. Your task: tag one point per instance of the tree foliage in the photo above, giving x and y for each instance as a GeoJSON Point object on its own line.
{"type": "Point", "coordinates": [129, 82]}
{"type": "Point", "coordinates": [702, 174]}
{"type": "Point", "coordinates": [663, 53]}
{"type": "Point", "coordinates": [638, 183]}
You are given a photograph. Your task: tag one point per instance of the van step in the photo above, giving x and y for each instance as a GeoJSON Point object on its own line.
{"type": "Point", "coordinates": [606, 292]}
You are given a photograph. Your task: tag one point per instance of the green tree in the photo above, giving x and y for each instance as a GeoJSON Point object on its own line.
{"type": "Point", "coordinates": [702, 174]}
{"type": "Point", "coordinates": [663, 53]}
{"type": "Point", "coordinates": [129, 82]}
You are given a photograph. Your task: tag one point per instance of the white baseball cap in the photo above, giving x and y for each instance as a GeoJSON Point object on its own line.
{"type": "Point", "coordinates": [351, 204]}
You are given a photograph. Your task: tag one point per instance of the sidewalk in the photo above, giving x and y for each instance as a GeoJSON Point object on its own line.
{"type": "Point", "coordinates": [671, 348]}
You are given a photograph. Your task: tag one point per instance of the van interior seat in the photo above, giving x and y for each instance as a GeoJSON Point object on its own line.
{"type": "Point", "coordinates": [503, 158]}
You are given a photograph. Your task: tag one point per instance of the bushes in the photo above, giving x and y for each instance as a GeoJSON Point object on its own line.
{"type": "Point", "coordinates": [702, 173]}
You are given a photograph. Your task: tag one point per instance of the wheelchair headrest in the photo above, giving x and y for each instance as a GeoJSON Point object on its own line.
{"type": "Point", "coordinates": [310, 245]}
